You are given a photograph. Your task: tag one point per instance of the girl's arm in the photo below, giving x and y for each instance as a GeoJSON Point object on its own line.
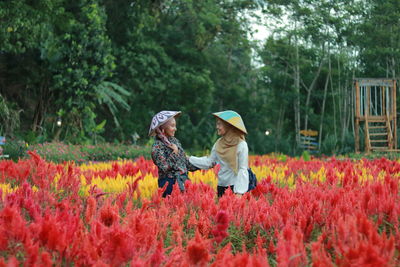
{"type": "Point", "coordinates": [190, 167]}
{"type": "Point", "coordinates": [206, 162]}
{"type": "Point", "coordinates": [242, 179]}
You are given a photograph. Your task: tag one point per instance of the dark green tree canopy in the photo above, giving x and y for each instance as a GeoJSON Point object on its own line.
{"type": "Point", "coordinates": [106, 67]}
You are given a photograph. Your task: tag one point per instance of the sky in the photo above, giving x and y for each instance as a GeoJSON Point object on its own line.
{"type": "Point", "coordinates": [259, 27]}
{"type": "Point", "coordinates": [259, 34]}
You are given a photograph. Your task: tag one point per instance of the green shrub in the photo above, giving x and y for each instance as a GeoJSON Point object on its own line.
{"type": "Point", "coordinates": [60, 152]}
{"type": "Point", "coordinates": [373, 155]}
{"type": "Point", "coordinates": [306, 155]}
{"type": "Point", "coordinates": [329, 145]}
{"type": "Point", "coordinates": [103, 152]}
{"type": "Point", "coordinates": [15, 149]}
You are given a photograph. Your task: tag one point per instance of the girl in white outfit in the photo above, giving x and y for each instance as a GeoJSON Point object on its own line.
{"type": "Point", "coordinates": [230, 151]}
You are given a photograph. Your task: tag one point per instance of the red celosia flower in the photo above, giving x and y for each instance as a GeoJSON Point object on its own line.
{"type": "Point", "coordinates": [90, 209]}
{"type": "Point", "coordinates": [12, 262]}
{"type": "Point", "coordinates": [137, 263]}
{"type": "Point", "coordinates": [108, 215]}
{"type": "Point", "coordinates": [192, 222]}
{"type": "Point", "coordinates": [46, 259]}
{"type": "Point", "coordinates": [158, 255]}
{"type": "Point", "coordinates": [290, 249]}
{"type": "Point", "coordinates": [32, 253]}
{"type": "Point", "coordinates": [223, 257]}
{"type": "Point", "coordinates": [35, 156]}
{"type": "Point", "coordinates": [320, 257]}
{"type": "Point", "coordinates": [121, 200]}
{"type": "Point", "coordinates": [222, 223]}
{"type": "Point", "coordinates": [117, 247]}
{"type": "Point", "coordinates": [197, 250]}
{"type": "Point", "coordinates": [241, 259]}
{"type": "Point", "coordinates": [100, 264]}
{"type": "Point", "coordinates": [51, 234]}
{"type": "Point", "coordinates": [271, 247]}
{"type": "Point", "coordinates": [3, 239]}
{"type": "Point", "coordinates": [203, 224]}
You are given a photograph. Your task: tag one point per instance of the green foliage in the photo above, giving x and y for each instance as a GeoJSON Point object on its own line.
{"type": "Point", "coordinates": [9, 117]}
{"type": "Point", "coordinates": [378, 38]}
{"type": "Point", "coordinates": [348, 144]}
{"type": "Point", "coordinates": [60, 152]}
{"type": "Point", "coordinates": [15, 149]}
{"type": "Point", "coordinates": [306, 155]}
{"type": "Point", "coordinates": [57, 50]}
{"type": "Point", "coordinates": [329, 145]}
{"type": "Point", "coordinates": [85, 59]}
{"type": "Point", "coordinates": [111, 95]}
{"type": "Point", "coordinates": [104, 152]}
{"type": "Point", "coordinates": [168, 60]}
{"type": "Point", "coordinates": [106, 67]}
{"type": "Point", "coordinates": [22, 25]}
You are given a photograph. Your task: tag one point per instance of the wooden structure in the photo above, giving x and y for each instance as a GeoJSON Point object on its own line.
{"type": "Point", "coordinates": [375, 111]}
{"type": "Point", "coordinates": [308, 140]}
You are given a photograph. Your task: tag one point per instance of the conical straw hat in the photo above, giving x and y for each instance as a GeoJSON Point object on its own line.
{"type": "Point", "coordinates": [233, 118]}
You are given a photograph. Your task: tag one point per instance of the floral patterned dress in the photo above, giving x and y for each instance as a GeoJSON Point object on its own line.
{"type": "Point", "coordinates": [171, 166]}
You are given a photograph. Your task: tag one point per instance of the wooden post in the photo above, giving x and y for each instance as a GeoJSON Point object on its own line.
{"type": "Point", "coordinates": [387, 114]}
{"type": "Point", "coordinates": [357, 119]}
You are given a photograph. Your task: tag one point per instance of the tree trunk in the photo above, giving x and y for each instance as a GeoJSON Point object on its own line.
{"type": "Point", "coordinates": [310, 89]}
{"type": "Point", "coordinates": [41, 108]}
{"type": "Point", "coordinates": [57, 134]}
{"type": "Point", "coordinates": [297, 94]}
{"type": "Point", "coordinates": [281, 115]}
{"type": "Point", "coordinates": [387, 67]}
{"type": "Point", "coordinates": [350, 106]}
{"type": "Point", "coordinates": [323, 103]}
{"type": "Point", "coordinates": [279, 127]}
{"type": "Point", "coordinates": [393, 68]}
{"type": "Point", "coordinates": [344, 107]}
{"type": "Point", "coordinates": [334, 107]}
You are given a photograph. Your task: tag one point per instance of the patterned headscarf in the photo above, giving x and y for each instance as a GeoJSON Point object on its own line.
{"type": "Point", "coordinates": [161, 118]}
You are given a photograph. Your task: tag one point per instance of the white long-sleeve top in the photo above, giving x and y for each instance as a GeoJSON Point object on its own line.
{"type": "Point", "coordinates": [226, 176]}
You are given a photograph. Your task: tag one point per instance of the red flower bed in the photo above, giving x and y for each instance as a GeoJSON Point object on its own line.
{"type": "Point", "coordinates": [343, 219]}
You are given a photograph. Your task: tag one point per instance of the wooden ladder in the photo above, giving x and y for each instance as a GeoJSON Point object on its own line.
{"type": "Point", "coordinates": [379, 135]}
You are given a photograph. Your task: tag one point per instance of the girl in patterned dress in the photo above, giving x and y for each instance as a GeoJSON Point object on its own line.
{"type": "Point", "coordinates": [167, 152]}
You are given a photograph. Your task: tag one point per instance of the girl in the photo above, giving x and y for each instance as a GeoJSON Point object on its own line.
{"type": "Point", "coordinates": [167, 152]}
{"type": "Point", "coordinates": [230, 151]}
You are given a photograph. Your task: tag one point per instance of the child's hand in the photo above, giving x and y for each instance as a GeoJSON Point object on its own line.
{"type": "Point", "coordinates": [174, 148]}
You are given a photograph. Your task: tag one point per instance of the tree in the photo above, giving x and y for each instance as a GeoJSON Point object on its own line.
{"type": "Point", "coordinates": [61, 51]}
{"type": "Point", "coordinates": [378, 38]}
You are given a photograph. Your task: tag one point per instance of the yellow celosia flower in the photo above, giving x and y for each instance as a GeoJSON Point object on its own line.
{"type": "Point", "coordinates": [7, 189]}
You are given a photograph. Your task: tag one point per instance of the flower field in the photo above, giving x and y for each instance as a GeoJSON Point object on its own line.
{"type": "Point", "coordinates": [326, 212]}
